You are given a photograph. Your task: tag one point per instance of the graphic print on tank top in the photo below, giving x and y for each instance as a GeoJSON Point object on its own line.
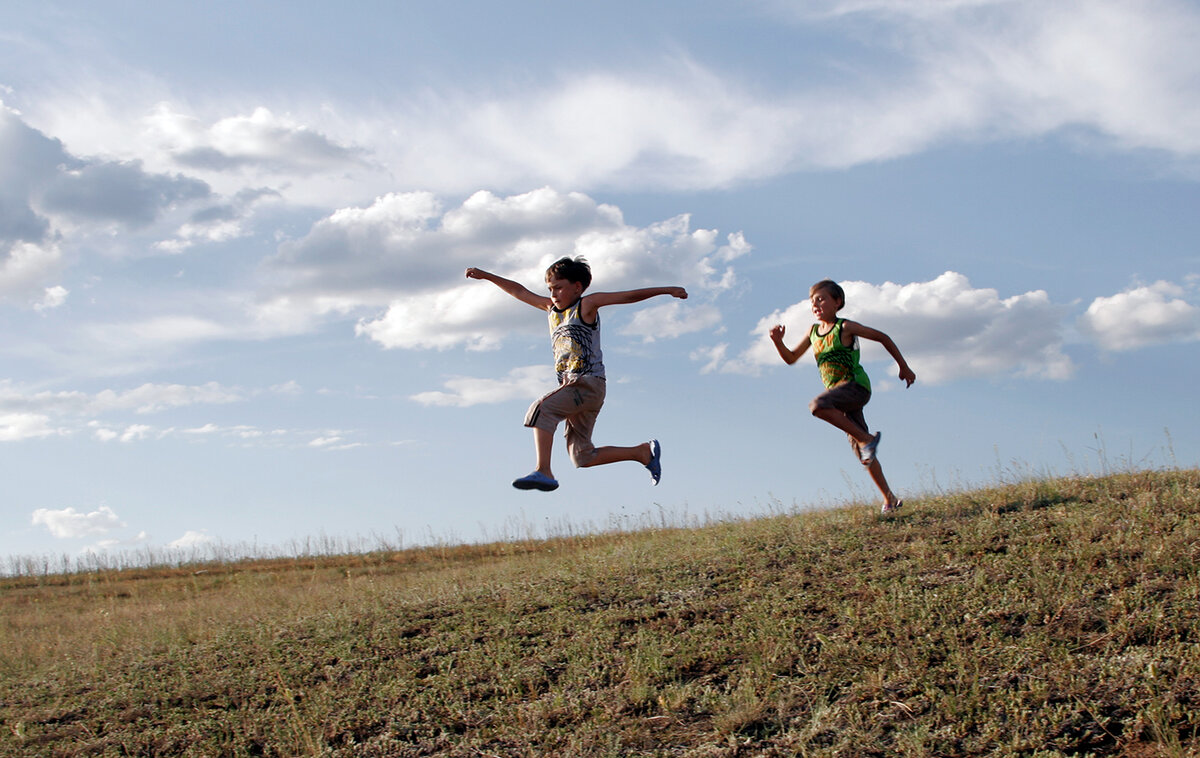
{"type": "Point", "coordinates": [576, 344]}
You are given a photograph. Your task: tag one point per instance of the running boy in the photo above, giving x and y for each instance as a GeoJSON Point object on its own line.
{"type": "Point", "coordinates": [847, 389]}
{"type": "Point", "coordinates": [575, 340]}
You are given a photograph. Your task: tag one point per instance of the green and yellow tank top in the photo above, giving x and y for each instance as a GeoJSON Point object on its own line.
{"type": "Point", "coordinates": [837, 362]}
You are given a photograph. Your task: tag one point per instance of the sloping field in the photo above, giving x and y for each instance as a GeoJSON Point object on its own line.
{"type": "Point", "coordinates": [1056, 617]}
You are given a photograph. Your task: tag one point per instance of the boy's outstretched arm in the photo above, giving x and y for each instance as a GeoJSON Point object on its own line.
{"type": "Point", "coordinates": [516, 289]}
{"type": "Point", "coordinates": [866, 332]}
{"type": "Point", "coordinates": [597, 300]}
{"type": "Point", "coordinates": [789, 355]}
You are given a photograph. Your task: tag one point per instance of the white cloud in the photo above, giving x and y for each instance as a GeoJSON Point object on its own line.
{"type": "Point", "coordinates": [713, 357]}
{"type": "Point", "coordinates": [404, 254]}
{"type": "Point", "coordinates": [24, 267]}
{"type": "Point", "coordinates": [334, 440]}
{"type": "Point", "coordinates": [523, 383]}
{"type": "Point", "coordinates": [988, 68]}
{"type": "Point", "coordinates": [152, 398]}
{"type": "Point", "coordinates": [135, 432]}
{"type": "Point", "coordinates": [52, 201]}
{"type": "Point", "coordinates": [261, 142]}
{"type": "Point", "coordinates": [68, 523]}
{"type": "Point", "coordinates": [191, 539]}
{"type": "Point", "coordinates": [326, 441]}
{"type": "Point", "coordinates": [1142, 317]}
{"type": "Point", "coordinates": [158, 332]}
{"type": "Point", "coordinates": [27, 415]}
{"type": "Point", "coordinates": [670, 320]}
{"type": "Point", "coordinates": [22, 426]}
{"type": "Point", "coordinates": [53, 298]}
{"type": "Point", "coordinates": [942, 71]}
{"type": "Point", "coordinates": [132, 433]}
{"type": "Point", "coordinates": [112, 543]}
{"type": "Point", "coordinates": [945, 328]}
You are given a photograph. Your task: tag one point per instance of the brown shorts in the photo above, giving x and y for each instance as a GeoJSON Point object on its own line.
{"type": "Point", "coordinates": [849, 398]}
{"type": "Point", "coordinates": [577, 402]}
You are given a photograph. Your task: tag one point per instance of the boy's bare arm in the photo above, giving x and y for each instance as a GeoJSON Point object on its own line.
{"type": "Point", "coordinates": [516, 289]}
{"type": "Point", "coordinates": [856, 329]}
{"type": "Point", "coordinates": [789, 355]}
{"type": "Point", "coordinates": [597, 300]}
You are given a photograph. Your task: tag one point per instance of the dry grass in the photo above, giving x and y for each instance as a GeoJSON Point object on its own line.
{"type": "Point", "coordinates": [1042, 618]}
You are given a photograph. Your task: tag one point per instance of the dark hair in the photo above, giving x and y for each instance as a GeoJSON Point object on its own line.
{"type": "Point", "coordinates": [571, 269]}
{"type": "Point", "coordinates": [833, 288]}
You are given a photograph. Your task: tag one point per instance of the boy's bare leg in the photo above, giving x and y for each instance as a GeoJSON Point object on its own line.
{"type": "Point", "coordinates": [876, 472]}
{"type": "Point", "coordinates": [543, 444]}
{"type": "Point", "coordinates": [611, 454]}
{"type": "Point", "coordinates": [843, 422]}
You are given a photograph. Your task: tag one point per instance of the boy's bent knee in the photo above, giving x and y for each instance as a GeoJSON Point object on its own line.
{"type": "Point", "coordinates": [587, 462]}
{"type": "Point", "coordinates": [583, 458]}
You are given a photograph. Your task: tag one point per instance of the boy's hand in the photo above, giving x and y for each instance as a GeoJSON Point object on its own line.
{"type": "Point", "coordinates": [678, 292]}
{"type": "Point", "coordinates": [777, 332]}
{"type": "Point", "coordinates": [908, 376]}
{"type": "Point", "coordinates": [475, 273]}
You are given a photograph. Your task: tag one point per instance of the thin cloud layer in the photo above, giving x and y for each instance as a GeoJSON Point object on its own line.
{"type": "Point", "coordinates": [526, 382]}
{"type": "Point", "coordinates": [146, 398]}
{"type": "Point", "coordinates": [260, 142]}
{"type": "Point", "coordinates": [1114, 72]}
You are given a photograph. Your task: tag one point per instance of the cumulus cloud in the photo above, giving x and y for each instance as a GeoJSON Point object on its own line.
{"type": "Point", "coordinates": [946, 328]}
{"type": "Point", "coordinates": [1142, 316]}
{"type": "Point", "coordinates": [29, 251]}
{"type": "Point", "coordinates": [48, 196]}
{"type": "Point", "coordinates": [68, 523]}
{"type": "Point", "coordinates": [405, 254]}
{"type": "Point", "coordinates": [527, 382]}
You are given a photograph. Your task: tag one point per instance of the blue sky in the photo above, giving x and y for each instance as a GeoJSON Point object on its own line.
{"type": "Point", "coordinates": [233, 236]}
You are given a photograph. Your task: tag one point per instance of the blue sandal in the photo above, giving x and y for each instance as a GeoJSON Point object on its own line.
{"type": "Point", "coordinates": [536, 481]}
{"type": "Point", "coordinates": [655, 464]}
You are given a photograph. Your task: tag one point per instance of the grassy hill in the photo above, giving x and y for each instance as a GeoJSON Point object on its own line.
{"type": "Point", "coordinates": [1042, 618]}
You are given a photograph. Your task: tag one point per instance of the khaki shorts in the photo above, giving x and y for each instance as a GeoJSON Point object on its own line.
{"type": "Point", "coordinates": [849, 398]}
{"type": "Point", "coordinates": [577, 402]}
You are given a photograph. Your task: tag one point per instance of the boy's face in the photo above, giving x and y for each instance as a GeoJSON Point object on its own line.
{"type": "Point", "coordinates": [564, 293]}
{"type": "Point", "coordinates": [825, 306]}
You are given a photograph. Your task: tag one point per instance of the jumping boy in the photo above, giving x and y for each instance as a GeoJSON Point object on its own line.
{"type": "Point", "coordinates": [575, 340]}
{"type": "Point", "coordinates": [847, 389]}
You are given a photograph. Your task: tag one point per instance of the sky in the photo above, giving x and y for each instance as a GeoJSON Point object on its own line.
{"type": "Point", "coordinates": [233, 238]}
